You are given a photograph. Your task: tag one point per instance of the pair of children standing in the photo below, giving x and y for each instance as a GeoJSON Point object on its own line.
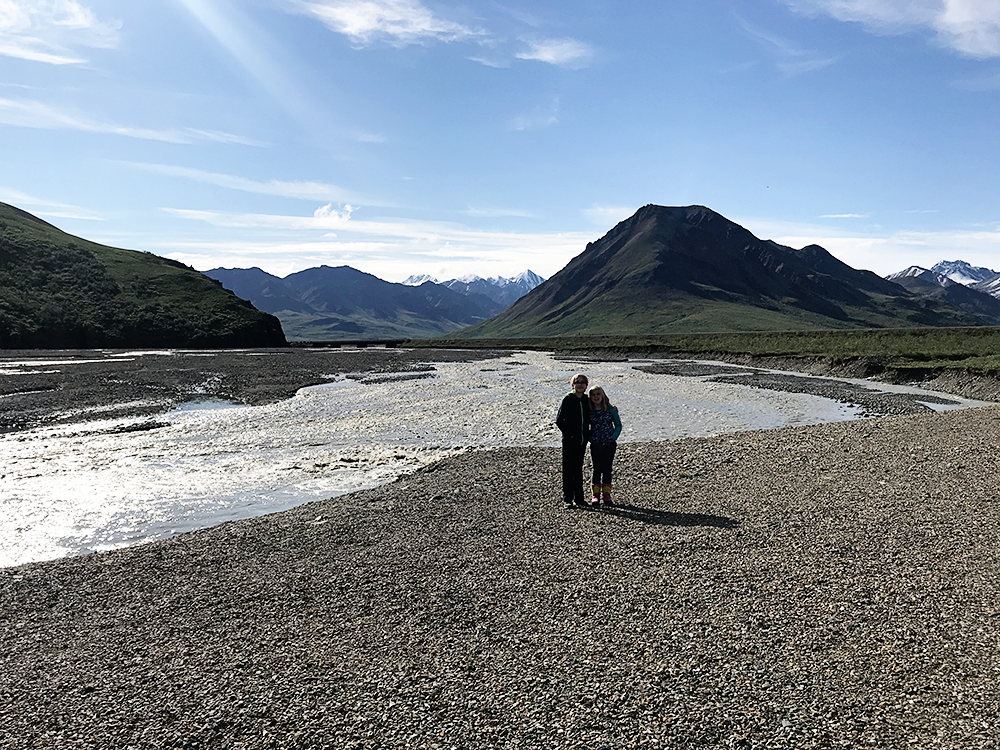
{"type": "Point", "coordinates": [584, 418]}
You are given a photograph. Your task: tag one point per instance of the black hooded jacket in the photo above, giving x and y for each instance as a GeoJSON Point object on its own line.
{"type": "Point", "coordinates": [573, 419]}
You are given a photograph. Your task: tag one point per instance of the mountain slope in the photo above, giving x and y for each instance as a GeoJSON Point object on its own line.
{"type": "Point", "coordinates": [60, 291]}
{"type": "Point", "coordinates": [343, 303]}
{"type": "Point", "coordinates": [688, 268]}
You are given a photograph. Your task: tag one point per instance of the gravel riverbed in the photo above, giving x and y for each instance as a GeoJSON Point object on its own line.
{"type": "Point", "coordinates": [824, 586]}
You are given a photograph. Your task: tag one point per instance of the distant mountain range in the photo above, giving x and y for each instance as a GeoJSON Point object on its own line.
{"type": "Point", "coordinates": [324, 303]}
{"type": "Point", "coordinates": [58, 291]}
{"type": "Point", "coordinates": [948, 274]}
{"type": "Point", "coordinates": [499, 289]}
{"type": "Point", "coordinates": [680, 269]}
{"type": "Point", "coordinates": [664, 270]}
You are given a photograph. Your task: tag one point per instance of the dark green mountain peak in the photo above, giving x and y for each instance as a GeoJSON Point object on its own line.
{"type": "Point", "coordinates": [688, 268]}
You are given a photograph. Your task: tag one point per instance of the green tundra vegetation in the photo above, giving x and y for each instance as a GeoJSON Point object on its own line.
{"type": "Point", "coordinates": [59, 291]}
{"type": "Point", "coordinates": [973, 349]}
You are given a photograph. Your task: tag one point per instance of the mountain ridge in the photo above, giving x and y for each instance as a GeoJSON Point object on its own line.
{"type": "Point", "coordinates": [326, 303]}
{"type": "Point", "coordinates": [688, 268]}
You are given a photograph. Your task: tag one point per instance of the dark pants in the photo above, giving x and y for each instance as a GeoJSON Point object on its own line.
{"type": "Point", "coordinates": [602, 455]}
{"type": "Point", "coordinates": [572, 470]}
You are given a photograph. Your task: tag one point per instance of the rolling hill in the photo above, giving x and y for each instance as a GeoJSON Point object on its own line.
{"type": "Point", "coordinates": [59, 291]}
{"type": "Point", "coordinates": [687, 269]}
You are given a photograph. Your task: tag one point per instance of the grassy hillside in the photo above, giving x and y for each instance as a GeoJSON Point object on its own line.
{"type": "Point", "coordinates": [975, 350]}
{"type": "Point", "coordinates": [686, 314]}
{"type": "Point", "coordinates": [60, 291]}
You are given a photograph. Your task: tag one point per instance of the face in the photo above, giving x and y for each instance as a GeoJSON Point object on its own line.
{"type": "Point", "coordinates": [579, 387]}
{"type": "Point", "coordinates": [597, 396]}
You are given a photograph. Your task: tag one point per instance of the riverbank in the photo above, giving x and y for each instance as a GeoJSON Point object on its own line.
{"type": "Point", "coordinates": [822, 586]}
{"type": "Point", "coordinates": [64, 386]}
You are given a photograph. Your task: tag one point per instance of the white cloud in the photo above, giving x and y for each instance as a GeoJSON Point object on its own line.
{"type": "Point", "coordinates": [313, 191]}
{"type": "Point", "coordinates": [971, 27]}
{"type": "Point", "coordinates": [398, 22]}
{"type": "Point", "coordinates": [392, 249]}
{"type": "Point", "coordinates": [33, 114]}
{"type": "Point", "coordinates": [492, 62]}
{"type": "Point", "coordinates": [48, 30]}
{"type": "Point", "coordinates": [566, 53]}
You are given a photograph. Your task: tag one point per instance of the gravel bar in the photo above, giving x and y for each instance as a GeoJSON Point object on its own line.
{"type": "Point", "coordinates": [70, 386]}
{"type": "Point", "coordinates": [832, 586]}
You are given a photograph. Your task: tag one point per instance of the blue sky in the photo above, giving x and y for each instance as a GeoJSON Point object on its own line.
{"type": "Point", "coordinates": [450, 138]}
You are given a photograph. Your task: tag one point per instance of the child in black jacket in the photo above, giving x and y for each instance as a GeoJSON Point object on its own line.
{"type": "Point", "coordinates": [573, 420]}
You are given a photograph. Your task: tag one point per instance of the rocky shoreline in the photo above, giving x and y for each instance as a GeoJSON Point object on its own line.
{"type": "Point", "coordinates": [828, 586]}
{"type": "Point", "coordinates": [811, 587]}
{"type": "Point", "coordinates": [119, 383]}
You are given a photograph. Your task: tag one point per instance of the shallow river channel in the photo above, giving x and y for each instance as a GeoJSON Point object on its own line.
{"type": "Point", "coordinates": [86, 487]}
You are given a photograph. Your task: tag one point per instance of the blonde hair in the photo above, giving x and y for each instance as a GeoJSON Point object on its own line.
{"type": "Point", "coordinates": [578, 377]}
{"type": "Point", "coordinates": [605, 404]}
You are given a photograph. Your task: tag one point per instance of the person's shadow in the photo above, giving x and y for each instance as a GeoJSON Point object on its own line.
{"type": "Point", "coordinates": [665, 517]}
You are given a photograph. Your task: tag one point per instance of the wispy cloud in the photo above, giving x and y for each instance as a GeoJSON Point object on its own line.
{"type": "Point", "coordinates": [33, 114]}
{"type": "Point", "coordinates": [844, 216]}
{"type": "Point", "coordinates": [397, 22]}
{"type": "Point", "coordinates": [608, 216]}
{"type": "Point", "coordinates": [488, 213]}
{"type": "Point", "coordinates": [48, 31]}
{"type": "Point", "coordinates": [46, 208]}
{"type": "Point", "coordinates": [565, 53]}
{"type": "Point", "coordinates": [543, 117]}
{"type": "Point", "coordinates": [789, 58]}
{"type": "Point", "coordinates": [885, 252]}
{"type": "Point", "coordinates": [392, 249]}
{"type": "Point", "coordinates": [971, 27]}
{"type": "Point", "coordinates": [314, 191]}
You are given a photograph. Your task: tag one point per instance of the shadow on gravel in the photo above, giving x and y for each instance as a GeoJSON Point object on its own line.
{"type": "Point", "coordinates": [666, 518]}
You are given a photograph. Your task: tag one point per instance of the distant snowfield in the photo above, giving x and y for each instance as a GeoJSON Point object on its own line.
{"type": "Point", "coordinates": [82, 488]}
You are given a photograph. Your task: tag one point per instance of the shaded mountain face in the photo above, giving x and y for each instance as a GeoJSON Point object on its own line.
{"type": "Point", "coordinates": [688, 268]}
{"type": "Point", "coordinates": [59, 291]}
{"type": "Point", "coordinates": [328, 303]}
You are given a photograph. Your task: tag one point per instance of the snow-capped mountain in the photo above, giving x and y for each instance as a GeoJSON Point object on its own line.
{"type": "Point", "coordinates": [420, 279]}
{"type": "Point", "coordinates": [505, 291]}
{"type": "Point", "coordinates": [989, 286]}
{"type": "Point", "coordinates": [916, 272]}
{"type": "Point", "coordinates": [964, 273]}
{"type": "Point", "coordinates": [975, 290]}
{"type": "Point", "coordinates": [953, 272]}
